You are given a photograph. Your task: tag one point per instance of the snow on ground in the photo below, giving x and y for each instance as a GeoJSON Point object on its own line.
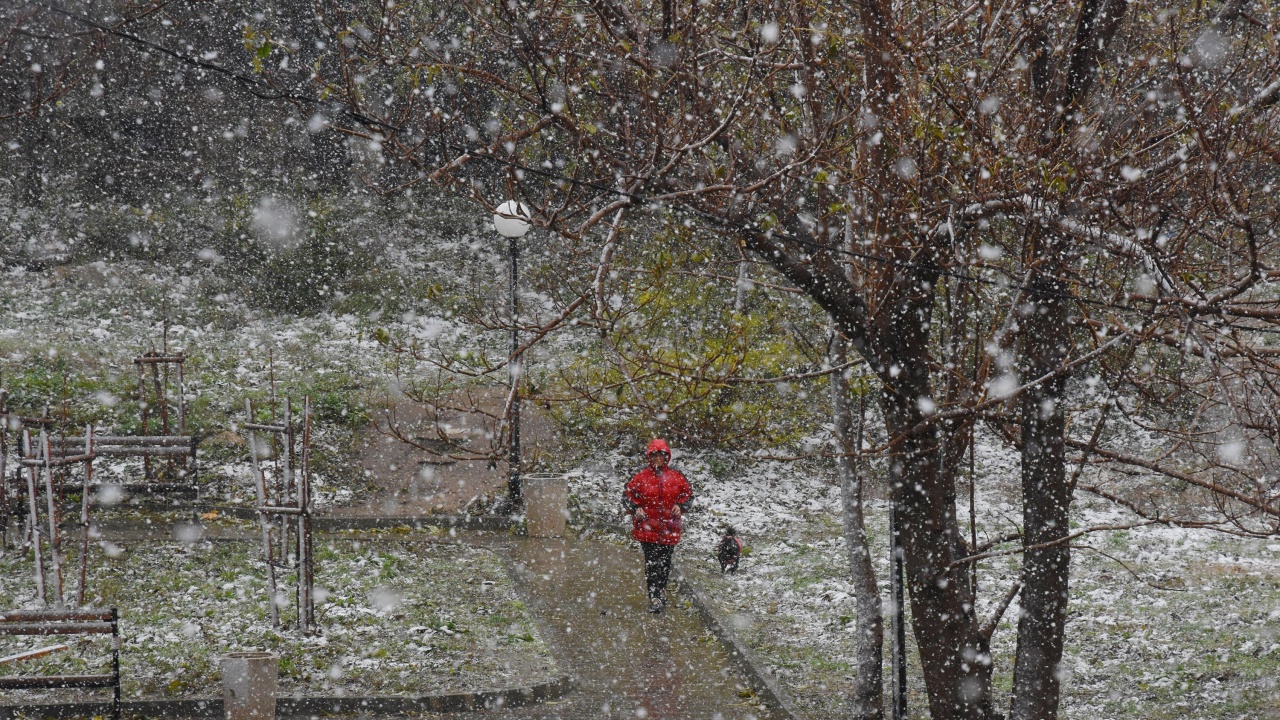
{"type": "Point", "coordinates": [72, 333]}
{"type": "Point", "coordinates": [395, 616]}
{"type": "Point", "coordinates": [399, 616]}
{"type": "Point", "coordinates": [1164, 622]}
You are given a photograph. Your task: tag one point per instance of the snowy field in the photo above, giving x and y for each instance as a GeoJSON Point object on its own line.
{"type": "Point", "coordinates": [69, 336]}
{"type": "Point", "coordinates": [396, 616]}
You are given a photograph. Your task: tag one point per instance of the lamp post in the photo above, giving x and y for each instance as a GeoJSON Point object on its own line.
{"type": "Point", "coordinates": [511, 220]}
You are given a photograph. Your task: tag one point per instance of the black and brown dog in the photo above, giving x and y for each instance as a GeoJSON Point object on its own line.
{"type": "Point", "coordinates": [729, 551]}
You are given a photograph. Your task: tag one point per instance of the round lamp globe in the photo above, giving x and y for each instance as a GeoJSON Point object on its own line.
{"type": "Point", "coordinates": [511, 219]}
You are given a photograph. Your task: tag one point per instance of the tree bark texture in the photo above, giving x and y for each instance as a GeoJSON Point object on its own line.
{"type": "Point", "coordinates": [1045, 344]}
{"type": "Point", "coordinates": [868, 693]}
{"type": "Point", "coordinates": [893, 335]}
{"type": "Point", "coordinates": [957, 671]}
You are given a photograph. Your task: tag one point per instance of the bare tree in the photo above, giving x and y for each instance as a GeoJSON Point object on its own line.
{"type": "Point", "coordinates": [868, 694]}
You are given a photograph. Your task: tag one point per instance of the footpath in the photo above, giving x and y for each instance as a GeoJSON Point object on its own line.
{"type": "Point", "coordinates": [588, 597]}
{"type": "Point", "coordinates": [588, 600]}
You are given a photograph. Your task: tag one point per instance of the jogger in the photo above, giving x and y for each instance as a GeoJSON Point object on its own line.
{"type": "Point", "coordinates": [657, 498]}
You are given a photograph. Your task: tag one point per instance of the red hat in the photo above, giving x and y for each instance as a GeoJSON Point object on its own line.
{"type": "Point", "coordinates": [658, 446]}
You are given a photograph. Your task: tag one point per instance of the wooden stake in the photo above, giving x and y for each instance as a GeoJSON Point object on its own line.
{"type": "Point", "coordinates": [306, 614]}
{"type": "Point", "coordinates": [84, 516]}
{"type": "Point", "coordinates": [261, 486]}
{"type": "Point", "coordinates": [34, 517]}
{"type": "Point", "coordinates": [31, 654]}
{"type": "Point", "coordinates": [55, 545]}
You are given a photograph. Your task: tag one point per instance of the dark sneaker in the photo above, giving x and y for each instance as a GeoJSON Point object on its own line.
{"type": "Point", "coordinates": [656, 605]}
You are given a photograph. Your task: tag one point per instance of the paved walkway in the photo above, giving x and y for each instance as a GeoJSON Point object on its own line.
{"type": "Point", "coordinates": [589, 599]}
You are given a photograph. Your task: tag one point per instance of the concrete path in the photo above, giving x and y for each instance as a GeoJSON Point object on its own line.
{"type": "Point", "coordinates": [589, 599]}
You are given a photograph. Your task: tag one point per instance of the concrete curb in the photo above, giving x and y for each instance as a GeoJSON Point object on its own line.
{"type": "Point", "coordinates": [491, 523]}
{"type": "Point", "coordinates": [747, 660]}
{"type": "Point", "coordinates": [308, 706]}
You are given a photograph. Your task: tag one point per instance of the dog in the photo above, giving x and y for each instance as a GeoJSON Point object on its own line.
{"type": "Point", "coordinates": [729, 551]}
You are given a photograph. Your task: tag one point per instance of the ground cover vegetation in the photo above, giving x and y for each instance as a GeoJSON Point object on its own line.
{"type": "Point", "coordinates": [395, 616]}
{"type": "Point", "coordinates": [1051, 220]}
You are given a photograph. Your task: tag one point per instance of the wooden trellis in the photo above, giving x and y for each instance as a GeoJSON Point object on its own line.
{"type": "Point", "coordinates": [145, 446]}
{"type": "Point", "coordinates": [155, 371]}
{"type": "Point", "coordinates": [157, 441]}
{"type": "Point", "coordinates": [40, 461]}
{"type": "Point", "coordinates": [67, 623]}
{"type": "Point", "coordinates": [284, 505]}
{"type": "Point", "coordinates": [11, 486]}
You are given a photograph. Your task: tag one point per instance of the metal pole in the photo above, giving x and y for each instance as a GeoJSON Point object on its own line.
{"type": "Point", "coordinates": [899, 619]}
{"type": "Point", "coordinates": [514, 489]}
{"type": "Point", "coordinates": [973, 518]}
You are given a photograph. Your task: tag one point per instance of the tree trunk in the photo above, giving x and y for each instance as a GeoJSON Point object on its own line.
{"type": "Point", "coordinates": [34, 141]}
{"type": "Point", "coordinates": [1044, 346]}
{"type": "Point", "coordinates": [892, 334]}
{"type": "Point", "coordinates": [868, 692]}
{"type": "Point", "coordinates": [957, 666]}
{"type": "Point", "coordinates": [895, 341]}
{"type": "Point", "coordinates": [1046, 503]}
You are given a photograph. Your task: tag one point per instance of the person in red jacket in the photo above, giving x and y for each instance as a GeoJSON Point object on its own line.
{"type": "Point", "coordinates": [657, 498]}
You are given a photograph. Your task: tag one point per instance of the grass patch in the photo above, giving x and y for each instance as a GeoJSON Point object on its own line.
{"type": "Point", "coordinates": [397, 617]}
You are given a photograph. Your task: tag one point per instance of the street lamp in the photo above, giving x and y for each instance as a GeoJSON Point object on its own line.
{"type": "Point", "coordinates": [511, 220]}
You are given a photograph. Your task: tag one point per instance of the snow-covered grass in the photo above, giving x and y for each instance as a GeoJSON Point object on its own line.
{"type": "Point", "coordinates": [70, 335]}
{"type": "Point", "coordinates": [1164, 622]}
{"type": "Point", "coordinates": [1187, 626]}
{"type": "Point", "coordinates": [396, 615]}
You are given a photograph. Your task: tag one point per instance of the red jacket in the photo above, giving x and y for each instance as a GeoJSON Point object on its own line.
{"type": "Point", "coordinates": [658, 495]}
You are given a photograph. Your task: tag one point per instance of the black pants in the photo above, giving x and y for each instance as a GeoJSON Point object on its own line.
{"type": "Point", "coordinates": [657, 567]}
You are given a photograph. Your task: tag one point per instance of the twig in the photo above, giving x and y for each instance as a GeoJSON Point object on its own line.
{"type": "Point", "coordinates": [989, 629]}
